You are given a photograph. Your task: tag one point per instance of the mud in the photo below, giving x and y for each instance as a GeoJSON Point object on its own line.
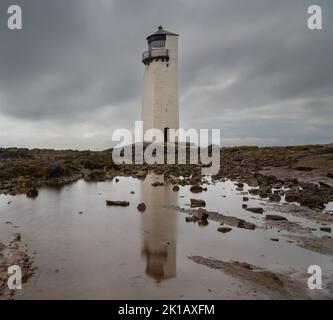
{"type": "Point", "coordinates": [12, 254]}
{"type": "Point", "coordinates": [268, 284]}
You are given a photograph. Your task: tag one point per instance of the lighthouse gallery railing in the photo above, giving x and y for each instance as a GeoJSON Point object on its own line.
{"type": "Point", "coordinates": [155, 53]}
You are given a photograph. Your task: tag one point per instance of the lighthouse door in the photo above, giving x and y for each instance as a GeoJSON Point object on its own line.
{"type": "Point", "coordinates": [166, 135]}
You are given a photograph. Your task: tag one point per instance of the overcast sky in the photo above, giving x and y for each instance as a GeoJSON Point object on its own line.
{"type": "Point", "coordinates": [250, 67]}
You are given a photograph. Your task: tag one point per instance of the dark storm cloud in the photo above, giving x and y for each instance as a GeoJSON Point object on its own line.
{"type": "Point", "coordinates": [253, 66]}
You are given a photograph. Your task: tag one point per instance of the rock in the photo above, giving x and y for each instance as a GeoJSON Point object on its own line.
{"type": "Point", "coordinates": [201, 214]}
{"type": "Point", "coordinates": [265, 192]}
{"type": "Point", "coordinates": [245, 199]}
{"type": "Point", "coordinates": [175, 188]}
{"type": "Point", "coordinates": [13, 246]}
{"type": "Point", "coordinates": [190, 219]}
{"type": "Point", "coordinates": [244, 205]}
{"type": "Point", "coordinates": [224, 229]}
{"type": "Point", "coordinates": [254, 192]}
{"type": "Point", "coordinates": [117, 203]}
{"type": "Point", "coordinates": [157, 184]}
{"type": "Point", "coordinates": [275, 239]}
{"type": "Point", "coordinates": [326, 229]}
{"type": "Point", "coordinates": [96, 175]}
{"type": "Point", "coordinates": [203, 222]}
{"type": "Point", "coordinates": [132, 192]}
{"type": "Point", "coordinates": [117, 180]}
{"type": "Point", "coordinates": [239, 185]}
{"type": "Point", "coordinates": [197, 203]}
{"type": "Point", "coordinates": [256, 210]}
{"type": "Point", "coordinates": [16, 237]}
{"type": "Point", "coordinates": [141, 174]}
{"type": "Point", "coordinates": [196, 189]}
{"type": "Point", "coordinates": [246, 225]}
{"type": "Point", "coordinates": [304, 168]}
{"type": "Point", "coordinates": [142, 207]}
{"type": "Point", "coordinates": [80, 212]}
{"type": "Point", "coordinates": [32, 193]}
{"type": "Point", "coordinates": [274, 197]}
{"type": "Point", "coordinates": [292, 196]}
{"type": "Point", "coordinates": [275, 217]}
{"type": "Point", "coordinates": [313, 201]}
{"type": "Point", "coordinates": [330, 175]}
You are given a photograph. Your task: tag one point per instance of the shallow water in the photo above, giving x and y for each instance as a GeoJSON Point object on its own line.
{"type": "Point", "coordinates": [111, 252]}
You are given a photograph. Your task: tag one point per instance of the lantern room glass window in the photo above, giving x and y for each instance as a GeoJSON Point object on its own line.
{"type": "Point", "coordinates": [157, 41]}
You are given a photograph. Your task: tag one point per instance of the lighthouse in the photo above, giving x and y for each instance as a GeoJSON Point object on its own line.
{"type": "Point", "coordinates": [160, 106]}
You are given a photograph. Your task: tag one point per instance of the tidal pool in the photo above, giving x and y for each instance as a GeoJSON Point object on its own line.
{"type": "Point", "coordinates": [86, 250]}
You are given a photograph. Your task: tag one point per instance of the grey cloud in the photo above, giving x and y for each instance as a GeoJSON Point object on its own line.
{"type": "Point", "coordinates": [239, 60]}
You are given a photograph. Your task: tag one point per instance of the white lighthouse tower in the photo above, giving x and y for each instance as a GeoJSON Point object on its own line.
{"type": "Point", "coordinates": [160, 108]}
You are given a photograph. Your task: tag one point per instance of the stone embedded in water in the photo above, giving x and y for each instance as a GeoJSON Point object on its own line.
{"type": "Point", "coordinates": [195, 203]}
{"type": "Point", "coordinates": [245, 199]}
{"type": "Point", "coordinates": [117, 203]}
{"type": "Point", "coordinates": [246, 225]}
{"type": "Point", "coordinates": [239, 185]}
{"type": "Point", "coordinates": [256, 210]}
{"type": "Point", "coordinates": [196, 189]}
{"type": "Point", "coordinates": [203, 222]}
{"type": "Point", "coordinates": [275, 239]}
{"type": "Point", "coordinates": [326, 229]}
{"type": "Point", "coordinates": [275, 217]}
{"type": "Point", "coordinates": [201, 214]}
{"type": "Point", "coordinates": [190, 219]}
{"type": "Point", "coordinates": [175, 188]}
{"type": "Point", "coordinates": [254, 192]}
{"type": "Point", "coordinates": [224, 229]}
{"type": "Point", "coordinates": [142, 207]}
{"type": "Point", "coordinates": [157, 184]}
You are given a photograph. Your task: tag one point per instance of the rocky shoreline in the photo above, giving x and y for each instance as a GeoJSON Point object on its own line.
{"type": "Point", "coordinates": [300, 176]}
{"type": "Point", "coordinates": [23, 171]}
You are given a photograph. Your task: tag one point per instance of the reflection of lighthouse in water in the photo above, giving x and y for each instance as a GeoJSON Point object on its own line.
{"type": "Point", "coordinates": [159, 230]}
